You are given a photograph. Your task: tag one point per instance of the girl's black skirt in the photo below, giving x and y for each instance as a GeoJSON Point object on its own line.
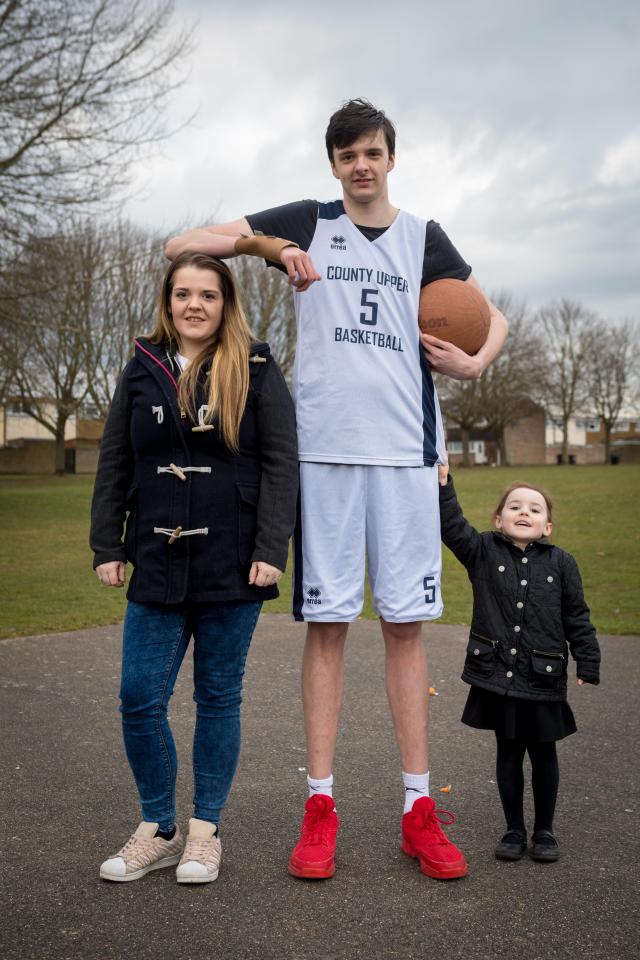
{"type": "Point", "coordinates": [513, 718]}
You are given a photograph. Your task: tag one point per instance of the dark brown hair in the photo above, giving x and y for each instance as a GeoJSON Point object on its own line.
{"type": "Point", "coordinates": [354, 119]}
{"type": "Point", "coordinates": [527, 486]}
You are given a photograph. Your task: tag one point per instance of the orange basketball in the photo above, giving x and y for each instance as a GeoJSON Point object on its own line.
{"type": "Point", "coordinates": [455, 311]}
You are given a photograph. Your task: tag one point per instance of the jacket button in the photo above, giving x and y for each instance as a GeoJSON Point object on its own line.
{"type": "Point", "coordinates": [548, 668]}
{"type": "Point", "coordinates": [509, 674]}
{"type": "Point", "coordinates": [549, 579]}
{"type": "Point", "coordinates": [513, 651]}
{"type": "Point", "coordinates": [516, 629]}
{"type": "Point", "coordinates": [525, 560]}
{"type": "Point", "coordinates": [523, 583]}
{"type": "Point", "coordinates": [501, 568]}
{"type": "Point", "coordinates": [519, 604]}
{"type": "Point", "coordinates": [476, 652]}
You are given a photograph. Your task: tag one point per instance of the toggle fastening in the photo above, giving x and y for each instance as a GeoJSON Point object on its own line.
{"type": "Point", "coordinates": [179, 532]}
{"type": "Point", "coordinates": [183, 471]}
{"type": "Point", "coordinates": [202, 426]}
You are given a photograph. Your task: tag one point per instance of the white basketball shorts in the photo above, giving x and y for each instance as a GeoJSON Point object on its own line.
{"type": "Point", "coordinates": [389, 514]}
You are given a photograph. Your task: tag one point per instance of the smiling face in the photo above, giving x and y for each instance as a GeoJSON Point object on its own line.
{"type": "Point", "coordinates": [197, 304]}
{"type": "Point", "coordinates": [362, 168]}
{"type": "Point", "coordinates": [524, 516]}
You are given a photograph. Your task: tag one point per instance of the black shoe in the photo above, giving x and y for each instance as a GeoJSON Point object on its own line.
{"type": "Point", "coordinates": [544, 847]}
{"type": "Point", "coordinates": [512, 846]}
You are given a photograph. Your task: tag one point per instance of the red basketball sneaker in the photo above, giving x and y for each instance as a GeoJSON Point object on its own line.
{"type": "Point", "coordinates": [312, 856]}
{"type": "Point", "coordinates": [424, 839]}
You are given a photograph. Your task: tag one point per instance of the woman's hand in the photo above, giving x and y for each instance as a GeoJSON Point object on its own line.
{"type": "Point", "coordinates": [111, 574]}
{"type": "Point", "coordinates": [263, 574]}
{"type": "Point", "coordinates": [443, 473]}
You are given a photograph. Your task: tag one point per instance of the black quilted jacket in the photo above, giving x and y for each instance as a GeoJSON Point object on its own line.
{"type": "Point", "coordinates": [528, 611]}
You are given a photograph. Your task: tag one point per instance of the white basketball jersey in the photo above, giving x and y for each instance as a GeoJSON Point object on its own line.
{"type": "Point", "coordinates": [362, 386]}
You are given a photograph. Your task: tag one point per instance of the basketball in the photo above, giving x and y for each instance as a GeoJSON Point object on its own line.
{"type": "Point", "coordinates": [454, 311]}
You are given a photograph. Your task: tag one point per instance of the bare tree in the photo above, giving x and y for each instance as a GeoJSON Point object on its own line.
{"type": "Point", "coordinates": [123, 305]}
{"type": "Point", "coordinates": [462, 408]}
{"type": "Point", "coordinates": [268, 303]}
{"type": "Point", "coordinates": [610, 374]}
{"type": "Point", "coordinates": [509, 383]}
{"type": "Point", "coordinates": [6, 372]}
{"type": "Point", "coordinates": [48, 291]}
{"type": "Point", "coordinates": [83, 87]}
{"type": "Point", "coordinates": [567, 328]}
{"type": "Point", "coordinates": [75, 302]}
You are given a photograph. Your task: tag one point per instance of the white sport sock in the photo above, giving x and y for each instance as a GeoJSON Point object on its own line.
{"type": "Point", "coordinates": [321, 786]}
{"type": "Point", "coordinates": [416, 785]}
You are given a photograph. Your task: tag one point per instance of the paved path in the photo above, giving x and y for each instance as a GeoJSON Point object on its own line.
{"type": "Point", "coordinates": [69, 801]}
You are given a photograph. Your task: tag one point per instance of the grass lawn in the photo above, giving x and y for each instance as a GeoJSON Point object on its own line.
{"type": "Point", "coordinates": [49, 586]}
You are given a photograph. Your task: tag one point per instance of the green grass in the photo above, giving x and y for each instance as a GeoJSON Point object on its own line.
{"type": "Point", "coordinates": [49, 586]}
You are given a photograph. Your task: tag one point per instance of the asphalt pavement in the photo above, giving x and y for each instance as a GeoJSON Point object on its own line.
{"type": "Point", "coordinates": [69, 802]}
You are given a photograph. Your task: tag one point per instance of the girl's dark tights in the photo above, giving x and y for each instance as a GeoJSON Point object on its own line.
{"type": "Point", "coordinates": [545, 777]}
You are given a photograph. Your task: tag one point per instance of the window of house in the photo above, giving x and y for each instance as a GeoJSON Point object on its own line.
{"type": "Point", "coordinates": [89, 412]}
{"type": "Point", "coordinates": [17, 408]}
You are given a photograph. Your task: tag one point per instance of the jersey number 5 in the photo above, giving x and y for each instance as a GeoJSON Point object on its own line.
{"type": "Point", "coordinates": [371, 305]}
{"type": "Point", "coordinates": [429, 586]}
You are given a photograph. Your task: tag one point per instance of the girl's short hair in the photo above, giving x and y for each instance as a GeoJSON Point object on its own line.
{"type": "Point", "coordinates": [528, 486]}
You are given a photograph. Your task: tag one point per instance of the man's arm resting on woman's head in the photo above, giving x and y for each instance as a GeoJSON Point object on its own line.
{"type": "Point", "coordinates": [220, 240]}
{"type": "Point", "coordinates": [217, 240]}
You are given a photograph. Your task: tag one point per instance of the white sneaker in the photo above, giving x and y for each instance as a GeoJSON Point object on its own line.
{"type": "Point", "coordinates": [200, 861]}
{"type": "Point", "coordinates": [141, 853]}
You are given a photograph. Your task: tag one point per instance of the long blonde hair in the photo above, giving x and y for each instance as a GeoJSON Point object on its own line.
{"type": "Point", "coordinates": [228, 377]}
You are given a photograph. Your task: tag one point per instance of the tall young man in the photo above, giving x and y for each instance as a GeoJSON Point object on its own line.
{"type": "Point", "coordinates": [370, 437]}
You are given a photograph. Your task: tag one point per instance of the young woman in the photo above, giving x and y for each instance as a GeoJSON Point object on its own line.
{"type": "Point", "coordinates": [529, 612]}
{"type": "Point", "coordinates": [199, 455]}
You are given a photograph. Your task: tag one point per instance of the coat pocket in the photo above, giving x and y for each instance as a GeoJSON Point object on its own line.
{"type": "Point", "coordinates": [131, 528]}
{"type": "Point", "coordinates": [546, 670]}
{"type": "Point", "coordinates": [248, 494]}
{"type": "Point", "coordinates": [481, 655]}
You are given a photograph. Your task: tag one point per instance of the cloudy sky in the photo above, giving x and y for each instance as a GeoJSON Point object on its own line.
{"type": "Point", "coordinates": [518, 128]}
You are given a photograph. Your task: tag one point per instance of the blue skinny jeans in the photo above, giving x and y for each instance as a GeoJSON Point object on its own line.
{"type": "Point", "coordinates": [156, 638]}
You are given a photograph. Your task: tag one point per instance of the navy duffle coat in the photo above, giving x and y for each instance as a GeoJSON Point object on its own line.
{"type": "Point", "coordinates": [227, 509]}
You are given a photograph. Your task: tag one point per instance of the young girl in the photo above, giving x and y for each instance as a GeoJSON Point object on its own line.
{"type": "Point", "coordinates": [528, 606]}
{"type": "Point", "coordinates": [199, 455]}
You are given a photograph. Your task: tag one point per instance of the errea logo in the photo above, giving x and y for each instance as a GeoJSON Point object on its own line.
{"type": "Point", "coordinates": [313, 595]}
{"type": "Point", "coordinates": [338, 243]}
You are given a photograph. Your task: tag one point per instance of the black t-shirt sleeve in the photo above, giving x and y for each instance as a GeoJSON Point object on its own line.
{"type": "Point", "coordinates": [441, 259]}
{"type": "Point", "coordinates": [292, 221]}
